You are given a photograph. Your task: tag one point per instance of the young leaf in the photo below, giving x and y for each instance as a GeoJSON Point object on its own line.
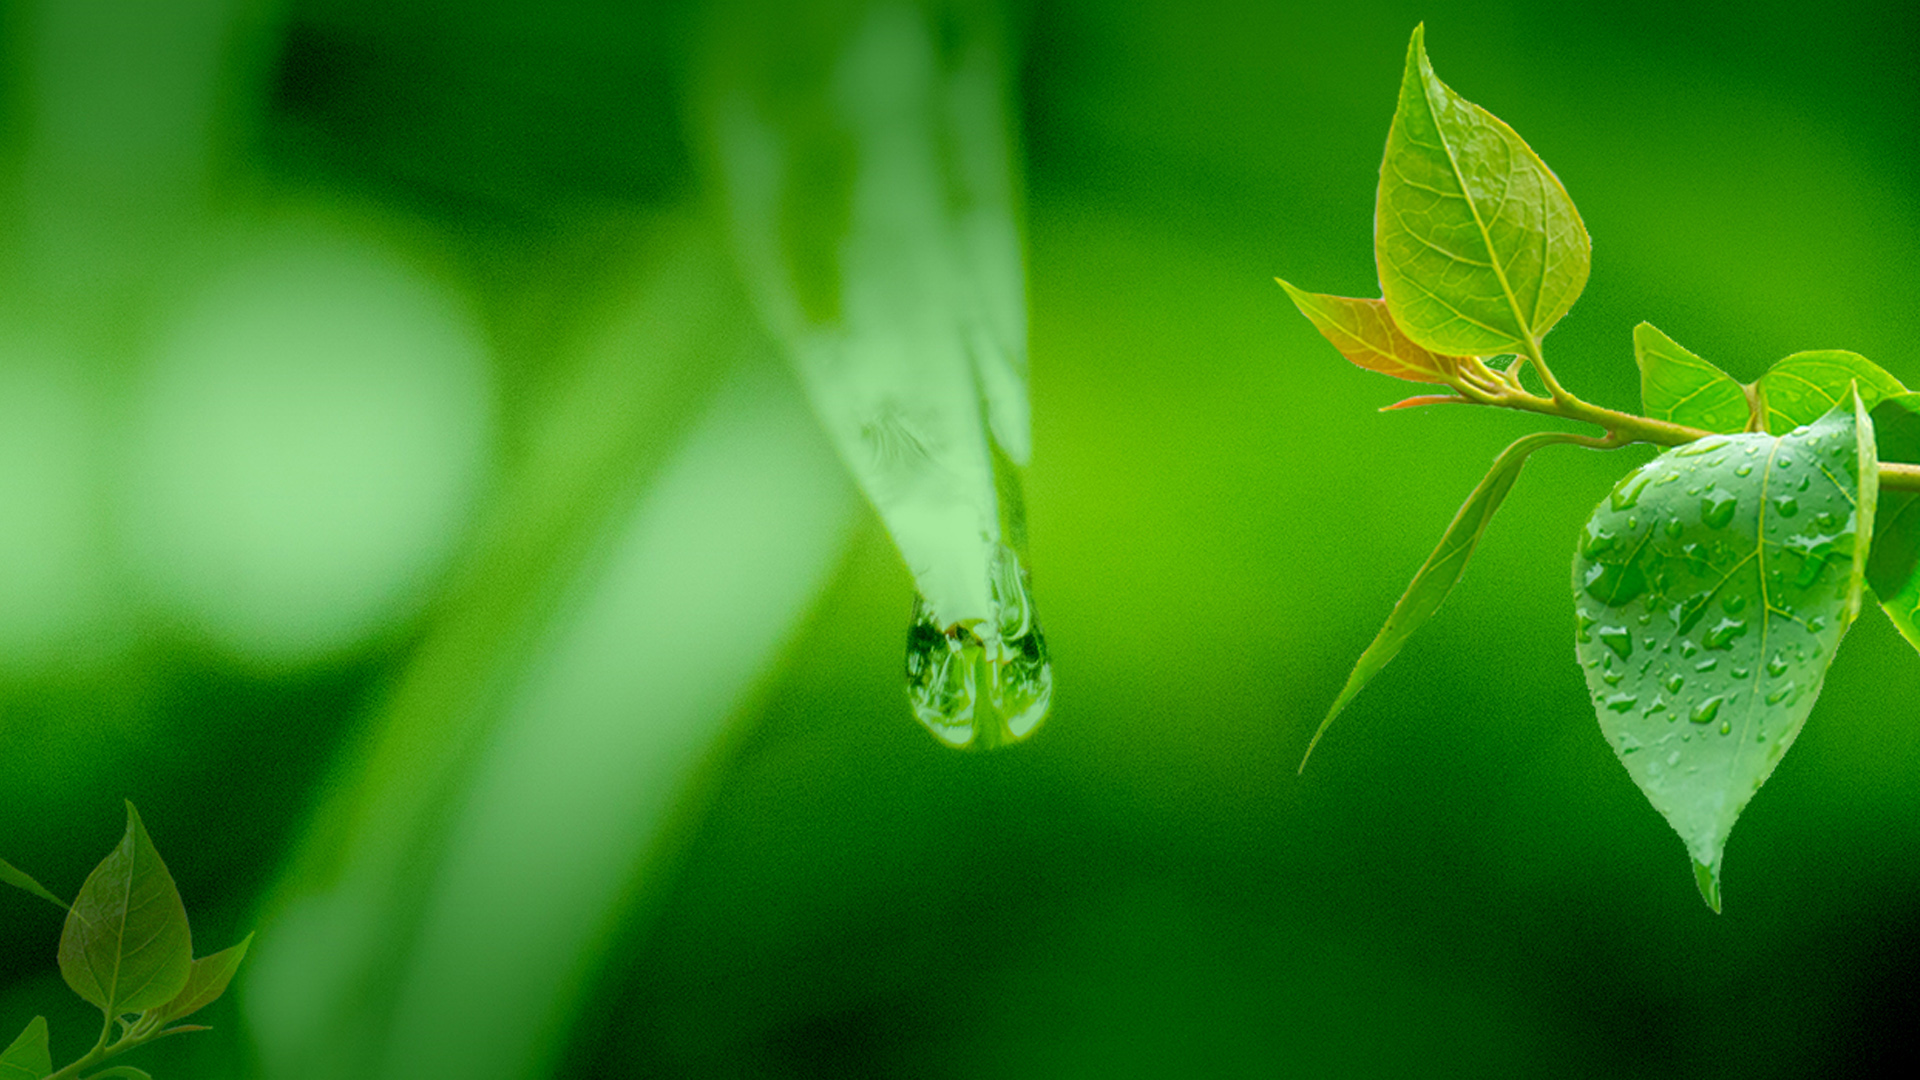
{"type": "Point", "coordinates": [126, 1072]}
{"type": "Point", "coordinates": [1712, 587]}
{"type": "Point", "coordinates": [1806, 385]}
{"type": "Point", "coordinates": [126, 947]}
{"type": "Point", "coordinates": [28, 1057]}
{"type": "Point", "coordinates": [206, 981]}
{"type": "Point", "coordinates": [1479, 247]}
{"type": "Point", "coordinates": [1893, 568]}
{"type": "Point", "coordinates": [1681, 388]}
{"type": "Point", "coordinates": [1365, 334]}
{"type": "Point", "coordinates": [12, 876]}
{"type": "Point", "coordinates": [1437, 576]}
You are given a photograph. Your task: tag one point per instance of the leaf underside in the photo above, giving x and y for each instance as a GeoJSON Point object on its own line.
{"type": "Point", "coordinates": [1712, 588]}
{"type": "Point", "coordinates": [1893, 568]}
{"type": "Point", "coordinates": [28, 1057]}
{"type": "Point", "coordinates": [1681, 388]}
{"type": "Point", "coordinates": [1438, 575]}
{"type": "Point", "coordinates": [1479, 247]}
{"type": "Point", "coordinates": [1365, 334]}
{"type": "Point", "coordinates": [126, 947]}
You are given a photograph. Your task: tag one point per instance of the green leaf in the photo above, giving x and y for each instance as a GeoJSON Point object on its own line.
{"type": "Point", "coordinates": [1893, 569]}
{"type": "Point", "coordinates": [1437, 576]}
{"type": "Point", "coordinates": [1712, 587]}
{"type": "Point", "coordinates": [1681, 388]}
{"type": "Point", "coordinates": [1365, 333]}
{"type": "Point", "coordinates": [126, 947]}
{"type": "Point", "coordinates": [127, 1071]}
{"type": "Point", "coordinates": [1807, 385]}
{"type": "Point", "coordinates": [12, 876]}
{"type": "Point", "coordinates": [28, 1058]}
{"type": "Point", "coordinates": [206, 981]}
{"type": "Point", "coordinates": [1479, 247]}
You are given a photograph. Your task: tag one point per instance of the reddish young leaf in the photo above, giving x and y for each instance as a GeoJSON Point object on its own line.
{"type": "Point", "coordinates": [1365, 333]}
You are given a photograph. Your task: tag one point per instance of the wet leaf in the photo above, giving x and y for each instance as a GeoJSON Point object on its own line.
{"type": "Point", "coordinates": [1712, 587]}
{"type": "Point", "coordinates": [1806, 385]}
{"type": "Point", "coordinates": [1893, 568]}
{"type": "Point", "coordinates": [126, 947]}
{"type": "Point", "coordinates": [1365, 334]}
{"type": "Point", "coordinates": [11, 875]}
{"type": "Point", "coordinates": [1480, 249]}
{"type": "Point", "coordinates": [28, 1057]}
{"type": "Point", "coordinates": [206, 981]}
{"type": "Point", "coordinates": [1437, 576]}
{"type": "Point", "coordinates": [1681, 388]}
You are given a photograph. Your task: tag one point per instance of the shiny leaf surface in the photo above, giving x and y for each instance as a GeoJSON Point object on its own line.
{"type": "Point", "coordinates": [1681, 388]}
{"type": "Point", "coordinates": [1712, 587]}
{"type": "Point", "coordinates": [1480, 249]}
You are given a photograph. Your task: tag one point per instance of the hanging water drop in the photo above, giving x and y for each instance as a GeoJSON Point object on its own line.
{"type": "Point", "coordinates": [1717, 508]}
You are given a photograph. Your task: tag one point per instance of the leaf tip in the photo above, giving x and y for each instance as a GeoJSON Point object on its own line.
{"type": "Point", "coordinates": [1707, 877]}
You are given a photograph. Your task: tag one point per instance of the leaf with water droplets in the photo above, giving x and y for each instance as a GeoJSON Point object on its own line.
{"type": "Point", "coordinates": [1679, 387]}
{"type": "Point", "coordinates": [28, 1058]}
{"type": "Point", "coordinates": [1893, 570]}
{"type": "Point", "coordinates": [1365, 334]}
{"type": "Point", "coordinates": [1479, 247]}
{"type": "Point", "coordinates": [1437, 576]}
{"type": "Point", "coordinates": [1733, 609]}
{"type": "Point", "coordinates": [1807, 385]}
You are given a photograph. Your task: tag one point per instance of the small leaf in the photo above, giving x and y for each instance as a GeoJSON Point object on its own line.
{"type": "Point", "coordinates": [206, 981]}
{"type": "Point", "coordinates": [1365, 333]}
{"type": "Point", "coordinates": [1419, 400]}
{"type": "Point", "coordinates": [1712, 587]}
{"type": "Point", "coordinates": [1893, 570]}
{"type": "Point", "coordinates": [1437, 576]}
{"type": "Point", "coordinates": [1679, 387]}
{"type": "Point", "coordinates": [126, 1071]}
{"type": "Point", "coordinates": [1479, 247]}
{"type": "Point", "coordinates": [28, 1057]}
{"type": "Point", "coordinates": [12, 876]}
{"type": "Point", "coordinates": [126, 947]}
{"type": "Point", "coordinates": [1807, 385]}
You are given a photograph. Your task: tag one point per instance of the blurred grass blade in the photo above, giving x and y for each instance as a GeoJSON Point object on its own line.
{"type": "Point", "coordinates": [1480, 249]}
{"type": "Point", "coordinates": [126, 947]}
{"type": "Point", "coordinates": [1681, 388]}
{"type": "Point", "coordinates": [27, 1057]}
{"type": "Point", "coordinates": [206, 981]}
{"type": "Point", "coordinates": [1893, 569]}
{"type": "Point", "coordinates": [1807, 385]}
{"type": "Point", "coordinates": [11, 875]}
{"type": "Point", "coordinates": [1365, 334]}
{"type": "Point", "coordinates": [1438, 574]}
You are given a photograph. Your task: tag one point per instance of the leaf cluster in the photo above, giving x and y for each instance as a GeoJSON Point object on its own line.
{"type": "Point", "coordinates": [128, 950]}
{"type": "Point", "coordinates": [1714, 584]}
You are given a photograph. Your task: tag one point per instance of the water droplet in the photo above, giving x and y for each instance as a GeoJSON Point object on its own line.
{"type": "Point", "coordinates": [1744, 469]}
{"type": "Point", "coordinates": [1777, 666]}
{"type": "Point", "coordinates": [1726, 727]}
{"type": "Point", "coordinates": [1723, 633]}
{"type": "Point", "coordinates": [1675, 682]}
{"type": "Point", "coordinates": [944, 664]}
{"type": "Point", "coordinates": [1708, 664]}
{"type": "Point", "coordinates": [1620, 702]}
{"type": "Point", "coordinates": [1618, 639]}
{"type": "Point", "coordinates": [1731, 602]}
{"type": "Point", "coordinates": [1615, 584]}
{"type": "Point", "coordinates": [1626, 495]}
{"type": "Point", "coordinates": [1716, 509]}
{"type": "Point", "coordinates": [1786, 504]}
{"type": "Point", "coordinates": [1707, 877]}
{"type": "Point", "coordinates": [1784, 692]}
{"type": "Point", "coordinates": [941, 667]}
{"type": "Point", "coordinates": [1673, 759]}
{"type": "Point", "coordinates": [1597, 543]}
{"type": "Point", "coordinates": [1020, 672]}
{"type": "Point", "coordinates": [1704, 712]}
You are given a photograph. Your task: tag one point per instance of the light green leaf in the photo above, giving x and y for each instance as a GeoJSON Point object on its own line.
{"type": "Point", "coordinates": [1681, 388]}
{"type": "Point", "coordinates": [126, 947]}
{"type": "Point", "coordinates": [1893, 569]}
{"type": "Point", "coordinates": [1437, 576]}
{"type": "Point", "coordinates": [28, 1057]}
{"type": "Point", "coordinates": [1365, 334]}
{"type": "Point", "coordinates": [206, 981]}
{"type": "Point", "coordinates": [128, 1072]}
{"type": "Point", "coordinates": [1479, 247]}
{"type": "Point", "coordinates": [1807, 385]}
{"type": "Point", "coordinates": [1712, 587]}
{"type": "Point", "coordinates": [11, 875]}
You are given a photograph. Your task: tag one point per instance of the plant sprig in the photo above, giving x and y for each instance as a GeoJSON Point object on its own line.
{"type": "Point", "coordinates": [1730, 565]}
{"type": "Point", "coordinates": [128, 950]}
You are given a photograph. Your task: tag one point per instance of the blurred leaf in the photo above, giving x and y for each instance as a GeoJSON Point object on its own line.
{"type": "Point", "coordinates": [1712, 587]}
{"type": "Point", "coordinates": [1365, 333]}
{"type": "Point", "coordinates": [1480, 249]}
{"type": "Point", "coordinates": [206, 981]}
{"type": "Point", "coordinates": [1679, 387]}
{"type": "Point", "coordinates": [1437, 576]}
{"type": "Point", "coordinates": [1807, 385]}
{"type": "Point", "coordinates": [28, 1057]}
{"type": "Point", "coordinates": [126, 947]}
{"type": "Point", "coordinates": [11, 875]}
{"type": "Point", "coordinates": [1893, 568]}
{"type": "Point", "coordinates": [127, 1071]}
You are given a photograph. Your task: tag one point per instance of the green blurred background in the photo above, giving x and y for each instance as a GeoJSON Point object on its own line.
{"type": "Point", "coordinates": [401, 504]}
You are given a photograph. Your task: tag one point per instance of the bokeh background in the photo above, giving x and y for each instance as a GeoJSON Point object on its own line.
{"type": "Point", "coordinates": [401, 503]}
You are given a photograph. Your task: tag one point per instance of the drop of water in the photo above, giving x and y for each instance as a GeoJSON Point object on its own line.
{"type": "Point", "coordinates": [1020, 683]}
{"type": "Point", "coordinates": [1777, 666]}
{"type": "Point", "coordinates": [1707, 877]}
{"type": "Point", "coordinates": [1675, 682]}
{"type": "Point", "coordinates": [1618, 639]}
{"type": "Point", "coordinates": [1673, 759]}
{"type": "Point", "coordinates": [1621, 702]}
{"type": "Point", "coordinates": [1674, 528]}
{"type": "Point", "coordinates": [1732, 602]}
{"type": "Point", "coordinates": [945, 664]}
{"type": "Point", "coordinates": [1745, 469]}
{"type": "Point", "coordinates": [1723, 633]}
{"type": "Point", "coordinates": [1787, 505]}
{"type": "Point", "coordinates": [1782, 693]}
{"type": "Point", "coordinates": [941, 686]}
{"type": "Point", "coordinates": [1615, 584]}
{"type": "Point", "coordinates": [1627, 495]}
{"type": "Point", "coordinates": [1704, 712]}
{"type": "Point", "coordinates": [1716, 509]}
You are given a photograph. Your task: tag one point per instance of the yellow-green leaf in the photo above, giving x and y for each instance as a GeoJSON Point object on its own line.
{"type": "Point", "coordinates": [1480, 249]}
{"type": "Point", "coordinates": [1807, 385]}
{"type": "Point", "coordinates": [1679, 387]}
{"type": "Point", "coordinates": [28, 1057]}
{"type": "Point", "coordinates": [1365, 333]}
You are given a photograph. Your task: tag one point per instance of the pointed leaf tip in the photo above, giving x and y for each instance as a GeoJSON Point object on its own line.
{"type": "Point", "coordinates": [28, 1057]}
{"type": "Point", "coordinates": [206, 981]}
{"type": "Point", "coordinates": [126, 947]}
{"type": "Point", "coordinates": [1365, 333]}
{"type": "Point", "coordinates": [17, 878]}
{"type": "Point", "coordinates": [1707, 877]}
